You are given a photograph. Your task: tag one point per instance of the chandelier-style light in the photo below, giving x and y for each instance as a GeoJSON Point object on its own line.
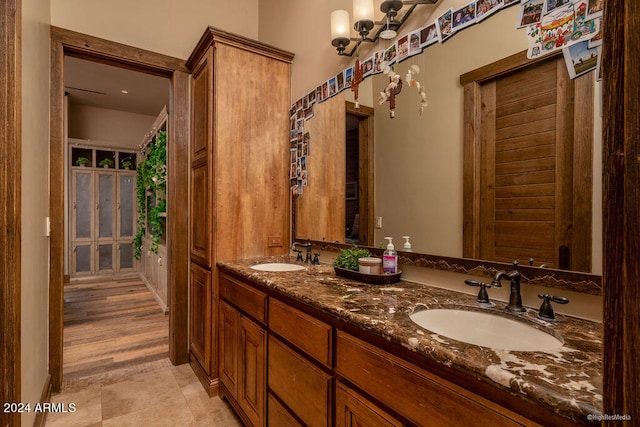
{"type": "Point", "coordinates": [363, 16]}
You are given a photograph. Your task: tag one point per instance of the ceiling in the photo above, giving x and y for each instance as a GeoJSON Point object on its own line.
{"type": "Point", "coordinates": [99, 85]}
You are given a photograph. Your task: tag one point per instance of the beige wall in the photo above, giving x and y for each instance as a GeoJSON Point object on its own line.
{"type": "Point", "coordinates": [35, 164]}
{"type": "Point", "coordinates": [108, 128]}
{"type": "Point", "coordinates": [169, 27]}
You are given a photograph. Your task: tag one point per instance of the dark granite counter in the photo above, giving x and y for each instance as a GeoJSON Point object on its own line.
{"type": "Point", "coordinates": [567, 381]}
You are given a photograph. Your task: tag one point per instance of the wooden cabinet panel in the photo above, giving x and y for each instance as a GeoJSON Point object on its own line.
{"type": "Point", "coordinates": [200, 315]}
{"type": "Point", "coordinates": [201, 106]}
{"type": "Point", "coordinates": [200, 224]}
{"type": "Point", "coordinates": [229, 320]}
{"type": "Point", "coordinates": [420, 396]}
{"type": "Point", "coordinates": [278, 414]}
{"type": "Point", "coordinates": [246, 298]}
{"type": "Point", "coordinates": [305, 332]}
{"type": "Point", "coordinates": [301, 386]}
{"type": "Point", "coordinates": [353, 410]}
{"type": "Point", "coordinates": [252, 372]}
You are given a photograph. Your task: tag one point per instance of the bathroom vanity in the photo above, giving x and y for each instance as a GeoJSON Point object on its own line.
{"type": "Point", "coordinates": [309, 348]}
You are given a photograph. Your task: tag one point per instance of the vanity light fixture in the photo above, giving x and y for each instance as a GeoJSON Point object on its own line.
{"type": "Point", "coordinates": [124, 91]}
{"type": "Point", "coordinates": [363, 15]}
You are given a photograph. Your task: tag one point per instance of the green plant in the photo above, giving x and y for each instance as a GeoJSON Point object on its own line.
{"type": "Point", "coordinates": [82, 161]}
{"type": "Point", "coordinates": [151, 176]}
{"type": "Point", "coordinates": [127, 164]}
{"type": "Point", "coordinates": [105, 162]}
{"type": "Point", "coordinates": [348, 258]}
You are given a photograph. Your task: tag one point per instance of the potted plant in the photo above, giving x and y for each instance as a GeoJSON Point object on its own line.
{"type": "Point", "coordinates": [127, 164]}
{"type": "Point", "coordinates": [83, 161]}
{"type": "Point", "coordinates": [105, 163]}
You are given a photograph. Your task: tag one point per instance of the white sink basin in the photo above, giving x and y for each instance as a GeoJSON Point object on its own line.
{"type": "Point", "coordinates": [277, 266]}
{"type": "Point", "coordinates": [485, 329]}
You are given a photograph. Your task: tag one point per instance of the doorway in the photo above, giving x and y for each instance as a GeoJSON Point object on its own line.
{"type": "Point", "coordinates": [359, 207]}
{"type": "Point", "coordinates": [67, 43]}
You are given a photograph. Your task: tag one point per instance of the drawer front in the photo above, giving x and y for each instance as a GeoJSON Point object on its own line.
{"type": "Point", "coordinates": [246, 298]}
{"type": "Point", "coordinates": [302, 387]}
{"type": "Point", "coordinates": [303, 331]}
{"type": "Point", "coordinates": [353, 410]}
{"type": "Point", "coordinates": [421, 397]}
{"type": "Point", "coordinates": [279, 416]}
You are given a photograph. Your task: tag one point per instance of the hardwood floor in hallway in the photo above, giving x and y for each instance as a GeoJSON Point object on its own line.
{"type": "Point", "coordinates": [113, 329]}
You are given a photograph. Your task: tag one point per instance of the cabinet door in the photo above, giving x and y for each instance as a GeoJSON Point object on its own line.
{"type": "Point", "coordinates": [252, 370]}
{"type": "Point", "coordinates": [200, 322]}
{"type": "Point", "coordinates": [353, 410]}
{"type": "Point", "coordinates": [82, 219]}
{"type": "Point", "coordinates": [105, 220]}
{"type": "Point", "coordinates": [125, 224]}
{"type": "Point", "coordinates": [229, 319]}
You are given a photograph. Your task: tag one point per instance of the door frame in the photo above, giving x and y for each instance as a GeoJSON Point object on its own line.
{"type": "Point", "coordinates": [579, 97]}
{"type": "Point", "coordinates": [66, 42]}
{"type": "Point", "coordinates": [366, 179]}
{"type": "Point", "coordinates": [10, 205]}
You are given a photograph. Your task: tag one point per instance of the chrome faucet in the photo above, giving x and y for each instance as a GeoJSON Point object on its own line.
{"type": "Point", "coordinates": [304, 245]}
{"type": "Point", "coordinates": [515, 299]}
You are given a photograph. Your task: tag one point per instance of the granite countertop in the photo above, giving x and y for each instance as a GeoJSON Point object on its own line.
{"type": "Point", "coordinates": [567, 381]}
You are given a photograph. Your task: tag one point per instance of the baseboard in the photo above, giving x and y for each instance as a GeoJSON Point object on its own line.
{"type": "Point", "coordinates": [45, 397]}
{"type": "Point", "coordinates": [210, 384]}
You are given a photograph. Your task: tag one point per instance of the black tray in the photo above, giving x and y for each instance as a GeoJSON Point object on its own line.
{"type": "Point", "coordinates": [374, 279]}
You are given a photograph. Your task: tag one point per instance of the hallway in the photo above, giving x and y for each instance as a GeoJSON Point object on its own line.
{"type": "Point", "coordinates": [113, 329]}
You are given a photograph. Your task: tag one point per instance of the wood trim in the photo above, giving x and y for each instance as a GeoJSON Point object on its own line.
{"type": "Point", "coordinates": [56, 213]}
{"type": "Point", "coordinates": [177, 245]}
{"type": "Point", "coordinates": [503, 66]}
{"type": "Point", "coordinates": [621, 213]}
{"type": "Point", "coordinates": [214, 35]}
{"type": "Point", "coordinates": [471, 179]}
{"type": "Point", "coordinates": [366, 176]}
{"type": "Point", "coordinates": [92, 48]}
{"type": "Point", "coordinates": [108, 52]}
{"type": "Point", "coordinates": [10, 203]}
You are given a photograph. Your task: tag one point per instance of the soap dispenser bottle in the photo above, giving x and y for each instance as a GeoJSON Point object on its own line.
{"type": "Point", "coordinates": [390, 258]}
{"type": "Point", "coordinates": [407, 244]}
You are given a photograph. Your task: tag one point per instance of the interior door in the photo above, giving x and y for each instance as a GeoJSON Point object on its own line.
{"type": "Point", "coordinates": [533, 195]}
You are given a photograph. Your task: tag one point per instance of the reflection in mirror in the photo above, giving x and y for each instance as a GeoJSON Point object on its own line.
{"type": "Point", "coordinates": [419, 159]}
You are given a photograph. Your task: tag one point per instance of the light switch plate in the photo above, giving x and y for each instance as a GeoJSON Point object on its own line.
{"type": "Point", "coordinates": [378, 222]}
{"type": "Point", "coordinates": [275, 241]}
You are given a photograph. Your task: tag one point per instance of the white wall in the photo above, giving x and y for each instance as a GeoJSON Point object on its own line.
{"type": "Point", "coordinates": [164, 26]}
{"type": "Point", "coordinates": [35, 205]}
{"type": "Point", "coordinates": [108, 128]}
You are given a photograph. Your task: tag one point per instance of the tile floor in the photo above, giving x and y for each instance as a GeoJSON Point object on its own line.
{"type": "Point", "coordinates": [170, 397]}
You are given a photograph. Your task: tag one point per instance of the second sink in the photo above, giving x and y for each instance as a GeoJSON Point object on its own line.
{"type": "Point", "coordinates": [485, 329]}
{"type": "Point", "coordinates": [277, 266]}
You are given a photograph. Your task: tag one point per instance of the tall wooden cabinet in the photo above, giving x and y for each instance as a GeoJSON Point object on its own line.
{"type": "Point", "coordinates": [239, 199]}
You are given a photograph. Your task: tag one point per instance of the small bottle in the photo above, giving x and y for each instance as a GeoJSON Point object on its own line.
{"type": "Point", "coordinates": [390, 258]}
{"type": "Point", "coordinates": [407, 244]}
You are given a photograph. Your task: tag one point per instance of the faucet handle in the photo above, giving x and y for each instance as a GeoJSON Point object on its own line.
{"type": "Point", "coordinates": [316, 258]}
{"type": "Point", "coordinates": [299, 257]}
{"type": "Point", "coordinates": [483, 296]}
{"type": "Point", "coordinates": [546, 310]}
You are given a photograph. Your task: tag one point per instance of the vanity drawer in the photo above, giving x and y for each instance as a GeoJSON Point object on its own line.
{"type": "Point", "coordinates": [418, 395]}
{"type": "Point", "coordinates": [308, 334]}
{"type": "Point", "coordinates": [303, 387]}
{"type": "Point", "coordinates": [246, 298]}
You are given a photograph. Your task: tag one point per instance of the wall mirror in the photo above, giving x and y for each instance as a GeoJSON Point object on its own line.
{"type": "Point", "coordinates": [419, 161]}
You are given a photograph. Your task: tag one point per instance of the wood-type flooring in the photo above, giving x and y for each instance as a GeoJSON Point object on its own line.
{"type": "Point", "coordinates": [113, 329]}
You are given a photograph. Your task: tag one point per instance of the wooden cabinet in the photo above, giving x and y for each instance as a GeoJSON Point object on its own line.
{"type": "Point", "coordinates": [353, 410]}
{"type": "Point", "coordinates": [243, 344]}
{"type": "Point", "coordinates": [239, 199]}
{"type": "Point", "coordinates": [420, 396]}
{"type": "Point", "coordinates": [101, 213]}
{"type": "Point", "coordinates": [283, 366]}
